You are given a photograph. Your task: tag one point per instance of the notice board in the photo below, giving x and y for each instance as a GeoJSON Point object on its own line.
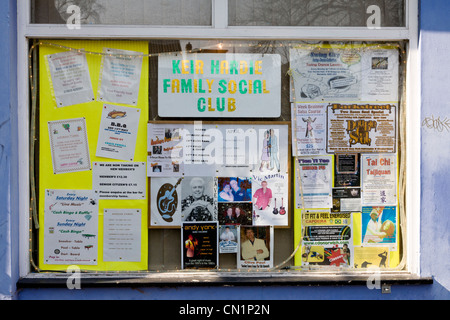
{"type": "Point", "coordinates": [92, 143]}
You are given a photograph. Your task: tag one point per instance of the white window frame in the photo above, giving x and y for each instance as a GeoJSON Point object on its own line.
{"type": "Point", "coordinates": [220, 30]}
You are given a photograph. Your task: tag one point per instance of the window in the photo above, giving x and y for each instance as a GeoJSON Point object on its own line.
{"type": "Point", "coordinates": [339, 111]}
{"type": "Point", "coordinates": [313, 13]}
{"type": "Point", "coordinates": [131, 12]}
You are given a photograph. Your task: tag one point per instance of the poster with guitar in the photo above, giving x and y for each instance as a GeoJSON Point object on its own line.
{"type": "Point", "coordinates": [270, 199]}
{"type": "Point", "coordinates": [165, 202]}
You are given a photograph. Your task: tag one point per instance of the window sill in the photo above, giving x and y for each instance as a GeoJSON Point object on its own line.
{"type": "Point", "coordinates": [211, 278]}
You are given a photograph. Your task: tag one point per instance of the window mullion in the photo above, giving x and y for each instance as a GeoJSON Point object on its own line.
{"type": "Point", "coordinates": [220, 14]}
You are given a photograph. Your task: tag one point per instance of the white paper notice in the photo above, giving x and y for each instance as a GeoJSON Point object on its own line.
{"type": "Point", "coordinates": [121, 76]}
{"type": "Point", "coordinates": [325, 75]}
{"type": "Point", "coordinates": [316, 179]}
{"type": "Point", "coordinates": [119, 180]}
{"type": "Point", "coordinates": [361, 128]}
{"type": "Point", "coordinates": [69, 145]}
{"type": "Point", "coordinates": [70, 78]}
{"type": "Point", "coordinates": [380, 75]}
{"type": "Point", "coordinates": [165, 150]}
{"type": "Point", "coordinates": [118, 132]}
{"type": "Point", "coordinates": [256, 247]}
{"type": "Point", "coordinates": [379, 179]}
{"type": "Point", "coordinates": [309, 124]}
{"type": "Point", "coordinates": [71, 227]}
{"type": "Point", "coordinates": [122, 235]}
{"type": "Point", "coordinates": [210, 85]}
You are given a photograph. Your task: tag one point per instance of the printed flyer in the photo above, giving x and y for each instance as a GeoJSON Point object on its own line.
{"type": "Point", "coordinates": [379, 225]}
{"type": "Point", "coordinates": [71, 227]}
{"type": "Point", "coordinates": [257, 148]}
{"type": "Point", "coordinates": [235, 213]}
{"type": "Point", "coordinates": [256, 247]}
{"type": "Point", "coordinates": [121, 76]}
{"type": "Point", "coordinates": [165, 203]}
{"type": "Point", "coordinates": [69, 145]}
{"type": "Point", "coordinates": [122, 235]}
{"type": "Point", "coordinates": [380, 74]}
{"type": "Point", "coordinates": [327, 254]}
{"type": "Point", "coordinates": [316, 179]}
{"type": "Point", "coordinates": [327, 238]}
{"type": "Point", "coordinates": [371, 257]}
{"type": "Point", "coordinates": [270, 200]}
{"type": "Point", "coordinates": [234, 200]}
{"type": "Point", "coordinates": [340, 73]}
{"type": "Point", "coordinates": [165, 150]}
{"type": "Point", "coordinates": [357, 128]}
{"type": "Point", "coordinates": [70, 78]}
{"type": "Point", "coordinates": [202, 149]}
{"type": "Point", "coordinates": [228, 239]}
{"type": "Point", "coordinates": [322, 74]}
{"type": "Point", "coordinates": [379, 179]}
{"type": "Point", "coordinates": [199, 199]}
{"type": "Point", "coordinates": [227, 150]}
{"type": "Point", "coordinates": [309, 128]}
{"type": "Point", "coordinates": [118, 132]}
{"type": "Point", "coordinates": [119, 180]}
{"type": "Point", "coordinates": [199, 242]}
{"type": "Point", "coordinates": [346, 200]}
{"type": "Point", "coordinates": [347, 170]}
{"type": "Point", "coordinates": [326, 226]}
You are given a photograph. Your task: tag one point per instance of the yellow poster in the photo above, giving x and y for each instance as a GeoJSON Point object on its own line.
{"type": "Point", "coordinates": [81, 84]}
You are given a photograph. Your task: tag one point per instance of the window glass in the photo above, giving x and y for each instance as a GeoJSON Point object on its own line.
{"type": "Point", "coordinates": [331, 157]}
{"type": "Point", "coordinates": [118, 12]}
{"type": "Point", "coordinates": [352, 13]}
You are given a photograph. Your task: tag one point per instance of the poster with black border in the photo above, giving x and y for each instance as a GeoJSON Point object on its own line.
{"type": "Point", "coordinates": [347, 170]}
{"type": "Point", "coordinates": [118, 132]}
{"type": "Point", "coordinates": [199, 241]}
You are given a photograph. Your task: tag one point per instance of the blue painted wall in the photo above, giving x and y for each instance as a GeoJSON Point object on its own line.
{"type": "Point", "coordinates": [435, 176]}
{"type": "Point", "coordinates": [8, 156]}
{"type": "Point", "coordinates": [434, 49]}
